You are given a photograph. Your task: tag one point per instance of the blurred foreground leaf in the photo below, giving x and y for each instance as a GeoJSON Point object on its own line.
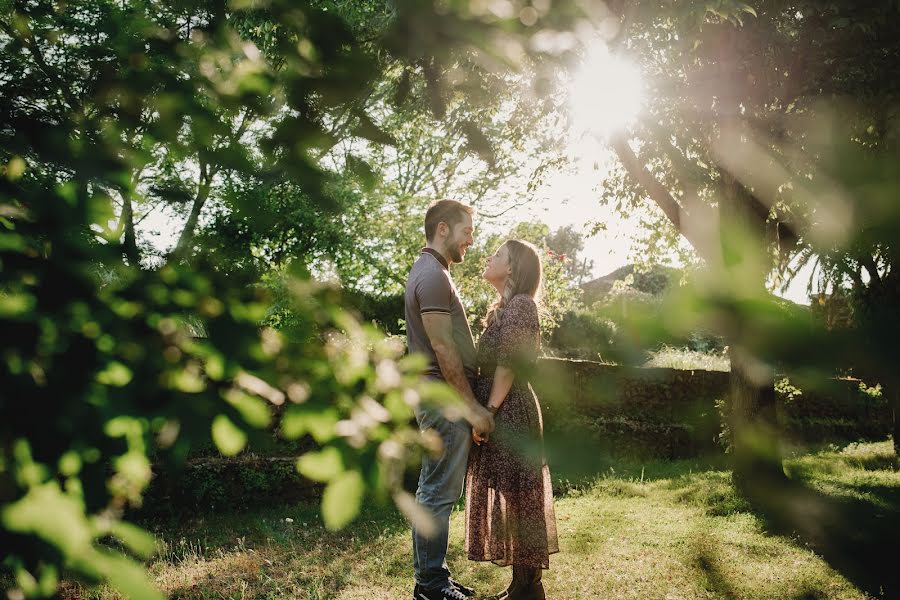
{"type": "Point", "coordinates": [342, 499]}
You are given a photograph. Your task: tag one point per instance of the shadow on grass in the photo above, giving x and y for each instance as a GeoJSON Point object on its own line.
{"type": "Point", "coordinates": [578, 461]}
{"type": "Point", "coordinates": [717, 581]}
{"type": "Point", "coordinates": [856, 536]}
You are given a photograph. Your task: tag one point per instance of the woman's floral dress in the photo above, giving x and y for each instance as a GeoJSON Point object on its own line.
{"type": "Point", "coordinates": [509, 499]}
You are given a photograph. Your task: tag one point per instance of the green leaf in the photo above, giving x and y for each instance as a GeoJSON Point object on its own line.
{"type": "Point", "coordinates": [321, 466]}
{"type": "Point", "coordinates": [398, 408]}
{"type": "Point", "coordinates": [15, 168]}
{"type": "Point", "coordinates": [366, 128]}
{"type": "Point", "coordinates": [342, 500]}
{"type": "Point", "coordinates": [478, 142]}
{"type": "Point", "coordinates": [305, 418]}
{"type": "Point", "coordinates": [115, 374]}
{"type": "Point", "coordinates": [69, 463]}
{"type": "Point", "coordinates": [228, 437]}
{"type": "Point", "coordinates": [134, 538]}
{"type": "Point", "coordinates": [48, 580]}
{"type": "Point", "coordinates": [215, 366]}
{"type": "Point", "coordinates": [123, 574]}
{"type": "Point", "coordinates": [12, 242]}
{"type": "Point", "coordinates": [48, 513]}
{"type": "Point", "coordinates": [254, 410]}
{"type": "Point", "coordinates": [401, 92]}
{"type": "Point", "coordinates": [185, 380]}
{"type": "Point", "coordinates": [134, 468]}
{"type": "Point", "coordinates": [363, 172]}
{"type": "Point", "coordinates": [12, 305]}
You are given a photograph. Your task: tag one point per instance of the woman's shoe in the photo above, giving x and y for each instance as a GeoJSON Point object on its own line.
{"type": "Point", "coordinates": [513, 585]}
{"type": "Point", "coordinates": [526, 584]}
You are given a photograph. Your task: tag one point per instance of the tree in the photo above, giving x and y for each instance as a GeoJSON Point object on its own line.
{"type": "Point", "coordinates": [431, 158]}
{"type": "Point", "coordinates": [565, 243]}
{"type": "Point", "coordinates": [719, 156]}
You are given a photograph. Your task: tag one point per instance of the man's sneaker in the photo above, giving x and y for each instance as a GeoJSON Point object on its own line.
{"type": "Point", "coordinates": [467, 591]}
{"type": "Point", "coordinates": [446, 593]}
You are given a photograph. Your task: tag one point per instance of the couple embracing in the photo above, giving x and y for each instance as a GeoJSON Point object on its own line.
{"type": "Point", "coordinates": [496, 452]}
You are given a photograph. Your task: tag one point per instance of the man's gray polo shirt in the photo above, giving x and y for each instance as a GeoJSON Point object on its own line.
{"type": "Point", "coordinates": [430, 289]}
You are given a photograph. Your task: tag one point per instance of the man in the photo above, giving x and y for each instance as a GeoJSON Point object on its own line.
{"type": "Point", "coordinates": [436, 326]}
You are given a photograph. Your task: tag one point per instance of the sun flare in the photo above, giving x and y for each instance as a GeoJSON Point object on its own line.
{"type": "Point", "coordinates": [605, 93]}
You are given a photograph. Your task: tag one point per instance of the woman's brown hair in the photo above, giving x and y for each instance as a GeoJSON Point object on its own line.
{"type": "Point", "coordinates": [525, 278]}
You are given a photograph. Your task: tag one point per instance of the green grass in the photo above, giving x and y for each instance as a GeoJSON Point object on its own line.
{"type": "Point", "coordinates": [673, 530]}
{"type": "Point", "coordinates": [668, 357]}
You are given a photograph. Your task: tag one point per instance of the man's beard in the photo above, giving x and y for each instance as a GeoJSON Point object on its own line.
{"type": "Point", "coordinates": [454, 253]}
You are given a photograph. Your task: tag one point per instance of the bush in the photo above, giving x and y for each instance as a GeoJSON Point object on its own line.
{"type": "Point", "coordinates": [625, 327]}
{"type": "Point", "coordinates": [583, 334]}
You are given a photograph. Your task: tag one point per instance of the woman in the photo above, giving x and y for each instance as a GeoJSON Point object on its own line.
{"type": "Point", "coordinates": [509, 500]}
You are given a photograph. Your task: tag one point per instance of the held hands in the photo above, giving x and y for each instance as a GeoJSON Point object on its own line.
{"type": "Point", "coordinates": [480, 434]}
{"type": "Point", "coordinates": [482, 421]}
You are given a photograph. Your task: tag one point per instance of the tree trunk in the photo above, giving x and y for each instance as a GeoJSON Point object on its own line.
{"type": "Point", "coordinates": [129, 245]}
{"type": "Point", "coordinates": [753, 422]}
{"type": "Point", "coordinates": [187, 234]}
{"type": "Point", "coordinates": [753, 418]}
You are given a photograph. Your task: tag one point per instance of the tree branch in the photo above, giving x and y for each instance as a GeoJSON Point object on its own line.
{"type": "Point", "coordinates": [31, 43]}
{"type": "Point", "coordinates": [653, 188]}
{"type": "Point", "coordinates": [868, 262]}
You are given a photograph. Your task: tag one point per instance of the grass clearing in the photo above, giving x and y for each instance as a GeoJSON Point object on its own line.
{"type": "Point", "coordinates": [666, 530]}
{"type": "Point", "coordinates": [669, 357]}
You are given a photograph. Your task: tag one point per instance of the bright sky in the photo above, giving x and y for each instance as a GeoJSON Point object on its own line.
{"type": "Point", "coordinates": [573, 198]}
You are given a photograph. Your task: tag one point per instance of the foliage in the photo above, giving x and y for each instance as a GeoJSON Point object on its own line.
{"type": "Point", "coordinates": [432, 158]}
{"type": "Point", "coordinates": [223, 115]}
{"type": "Point", "coordinates": [121, 373]}
{"type": "Point", "coordinates": [629, 326]}
{"type": "Point", "coordinates": [565, 244]}
{"type": "Point", "coordinates": [787, 391]}
{"type": "Point", "coordinates": [242, 118]}
{"type": "Point", "coordinates": [743, 163]}
{"type": "Point", "coordinates": [741, 152]}
{"type": "Point", "coordinates": [584, 334]}
{"type": "Point", "coordinates": [109, 109]}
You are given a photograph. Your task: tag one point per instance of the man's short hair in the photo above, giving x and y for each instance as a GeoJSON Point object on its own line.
{"type": "Point", "coordinates": [444, 211]}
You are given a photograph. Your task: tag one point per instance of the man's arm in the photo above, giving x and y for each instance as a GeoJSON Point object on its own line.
{"type": "Point", "coordinates": [439, 330]}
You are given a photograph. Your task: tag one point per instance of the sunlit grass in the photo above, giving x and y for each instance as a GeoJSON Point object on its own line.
{"type": "Point", "coordinates": [653, 530]}
{"type": "Point", "coordinates": [867, 472]}
{"type": "Point", "coordinates": [668, 357]}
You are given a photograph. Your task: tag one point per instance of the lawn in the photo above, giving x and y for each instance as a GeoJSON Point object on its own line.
{"type": "Point", "coordinates": [667, 530]}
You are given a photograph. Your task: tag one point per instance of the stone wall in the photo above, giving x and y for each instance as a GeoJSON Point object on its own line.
{"type": "Point", "coordinates": [654, 412]}
{"type": "Point", "coordinates": [592, 412]}
{"type": "Point", "coordinates": [672, 413]}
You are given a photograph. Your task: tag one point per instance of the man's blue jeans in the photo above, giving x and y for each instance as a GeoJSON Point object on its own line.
{"type": "Point", "coordinates": [440, 487]}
